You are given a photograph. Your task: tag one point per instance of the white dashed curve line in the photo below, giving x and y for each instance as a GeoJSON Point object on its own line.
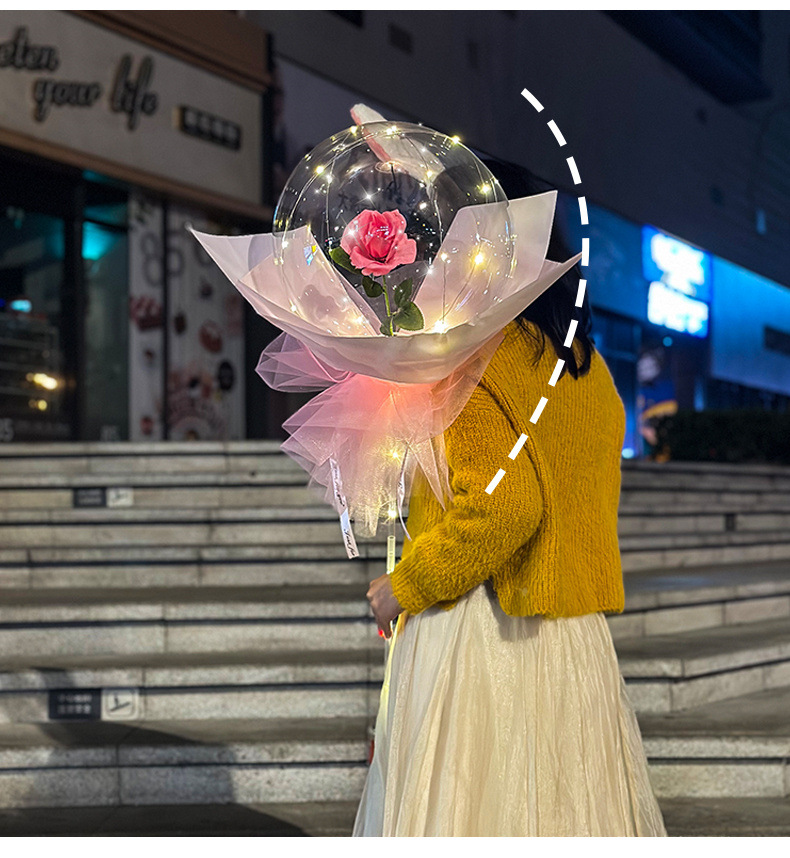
{"type": "Point", "coordinates": [538, 410]}
{"type": "Point", "coordinates": [517, 446]}
{"type": "Point", "coordinates": [577, 179]}
{"type": "Point", "coordinates": [532, 100]}
{"type": "Point", "coordinates": [493, 484]}
{"type": "Point", "coordinates": [580, 293]}
{"type": "Point", "coordinates": [556, 132]}
{"type": "Point", "coordinates": [552, 126]}
{"type": "Point", "coordinates": [571, 333]}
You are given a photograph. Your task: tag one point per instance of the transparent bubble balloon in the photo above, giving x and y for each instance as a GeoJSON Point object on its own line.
{"type": "Point", "coordinates": [384, 218]}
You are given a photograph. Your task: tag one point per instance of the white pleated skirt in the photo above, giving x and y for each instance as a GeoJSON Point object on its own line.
{"type": "Point", "coordinates": [492, 725]}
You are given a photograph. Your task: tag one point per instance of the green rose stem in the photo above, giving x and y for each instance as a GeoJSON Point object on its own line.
{"type": "Point", "coordinates": [387, 303]}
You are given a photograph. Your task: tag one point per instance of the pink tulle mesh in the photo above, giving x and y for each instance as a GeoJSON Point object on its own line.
{"type": "Point", "coordinates": [377, 431]}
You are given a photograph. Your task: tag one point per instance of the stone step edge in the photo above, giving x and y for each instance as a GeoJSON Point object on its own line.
{"type": "Point", "coordinates": [169, 748]}
{"type": "Point", "coordinates": [22, 449]}
{"type": "Point", "coordinates": [195, 738]}
{"type": "Point", "coordinates": [184, 663]}
{"type": "Point", "coordinates": [265, 819]}
{"type": "Point", "coordinates": [33, 516]}
{"type": "Point", "coordinates": [690, 750]}
{"type": "Point", "coordinates": [684, 817]}
{"type": "Point", "coordinates": [637, 603]}
{"type": "Point", "coordinates": [776, 541]}
{"type": "Point", "coordinates": [347, 603]}
{"type": "Point", "coordinates": [210, 552]}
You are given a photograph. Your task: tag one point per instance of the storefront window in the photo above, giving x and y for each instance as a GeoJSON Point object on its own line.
{"type": "Point", "coordinates": [33, 404]}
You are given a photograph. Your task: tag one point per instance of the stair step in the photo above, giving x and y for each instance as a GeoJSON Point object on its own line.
{"type": "Point", "coordinates": [137, 458]}
{"type": "Point", "coordinates": [311, 684]}
{"type": "Point", "coordinates": [277, 635]}
{"type": "Point", "coordinates": [124, 516]}
{"type": "Point", "coordinates": [204, 670]}
{"type": "Point", "coordinates": [264, 530]}
{"type": "Point", "coordinates": [20, 527]}
{"type": "Point", "coordinates": [187, 565]}
{"type": "Point", "coordinates": [698, 475]}
{"type": "Point", "coordinates": [278, 492]}
{"type": "Point", "coordinates": [288, 487]}
{"type": "Point", "coordinates": [731, 748]}
{"type": "Point", "coordinates": [702, 539]}
{"type": "Point", "coordinates": [189, 762]}
{"type": "Point", "coordinates": [677, 600]}
{"type": "Point", "coordinates": [680, 523]}
{"type": "Point", "coordinates": [684, 817]}
{"type": "Point", "coordinates": [53, 606]}
{"type": "Point", "coordinates": [742, 548]}
{"type": "Point", "coordinates": [673, 672]}
{"type": "Point", "coordinates": [726, 817]}
{"type": "Point", "coordinates": [276, 819]}
{"type": "Point", "coordinates": [43, 623]}
{"type": "Point", "coordinates": [143, 525]}
{"type": "Point", "coordinates": [667, 499]}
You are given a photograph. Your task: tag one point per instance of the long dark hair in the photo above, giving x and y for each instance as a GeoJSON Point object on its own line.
{"type": "Point", "coordinates": [553, 311]}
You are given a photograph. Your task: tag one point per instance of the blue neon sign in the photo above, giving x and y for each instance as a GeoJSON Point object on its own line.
{"type": "Point", "coordinates": [679, 276]}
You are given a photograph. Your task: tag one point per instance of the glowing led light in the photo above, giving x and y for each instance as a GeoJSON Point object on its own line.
{"type": "Point", "coordinates": [353, 129]}
{"type": "Point", "coordinates": [485, 188]}
{"type": "Point", "coordinates": [479, 259]}
{"type": "Point", "coordinates": [393, 129]}
{"type": "Point", "coordinates": [443, 257]}
{"type": "Point", "coordinates": [320, 169]}
{"type": "Point", "coordinates": [441, 327]}
{"type": "Point", "coordinates": [455, 138]}
{"type": "Point", "coordinates": [423, 205]}
{"type": "Point", "coordinates": [42, 380]}
{"type": "Point", "coordinates": [429, 173]}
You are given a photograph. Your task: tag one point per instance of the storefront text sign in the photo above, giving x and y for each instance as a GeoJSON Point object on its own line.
{"type": "Point", "coordinates": [74, 84]}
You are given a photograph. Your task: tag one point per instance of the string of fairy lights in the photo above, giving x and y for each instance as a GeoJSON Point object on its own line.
{"type": "Point", "coordinates": [385, 167]}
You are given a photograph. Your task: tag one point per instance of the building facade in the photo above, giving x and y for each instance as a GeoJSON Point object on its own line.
{"type": "Point", "coordinates": [120, 129]}
{"type": "Point", "coordinates": [117, 130]}
{"type": "Point", "coordinates": [684, 157]}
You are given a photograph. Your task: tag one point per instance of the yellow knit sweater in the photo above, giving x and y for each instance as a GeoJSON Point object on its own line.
{"type": "Point", "coordinates": [546, 536]}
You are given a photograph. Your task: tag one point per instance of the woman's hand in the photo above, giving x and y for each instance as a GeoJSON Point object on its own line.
{"type": "Point", "coordinates": [384, 604]}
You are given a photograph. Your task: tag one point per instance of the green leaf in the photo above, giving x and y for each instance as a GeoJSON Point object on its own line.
{"type": "Point", "coordinates": [409, 317]}
{"type": "Point", "coordinates": [402, 292]}
{"type": "Point", "coordinates": [372, 288]}
{"type": "Point", "coordinates": [385, 329]}
{"type": "Point", "coordinates": [341, 258]}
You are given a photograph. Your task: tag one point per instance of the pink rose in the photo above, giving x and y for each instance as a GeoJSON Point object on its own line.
{"type": "Point", "coordinates": [376, 242]}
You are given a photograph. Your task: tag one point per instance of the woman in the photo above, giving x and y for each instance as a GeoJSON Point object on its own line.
{"type": "Point", "coordinates": [503, 711]}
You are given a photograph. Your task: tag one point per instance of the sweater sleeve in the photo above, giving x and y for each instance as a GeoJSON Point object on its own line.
{"type": "Point", "coordinates": [478, 532]}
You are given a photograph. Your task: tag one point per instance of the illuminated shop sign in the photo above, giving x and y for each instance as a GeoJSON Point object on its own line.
{"type": "Point", "coordinates": [94, 92]}
{"type": "Point", "coordinates": [679, 276]}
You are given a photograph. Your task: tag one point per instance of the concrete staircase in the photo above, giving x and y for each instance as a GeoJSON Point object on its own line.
{"type": "Point", "coordinates": [210, 614]}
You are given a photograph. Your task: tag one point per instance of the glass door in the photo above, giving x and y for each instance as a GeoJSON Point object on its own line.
{"type": "Point", "coordinates": [36, 350]}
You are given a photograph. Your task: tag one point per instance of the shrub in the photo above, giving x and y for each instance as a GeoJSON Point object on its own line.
{"type": "Point", "coordinates": [748, 435]}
